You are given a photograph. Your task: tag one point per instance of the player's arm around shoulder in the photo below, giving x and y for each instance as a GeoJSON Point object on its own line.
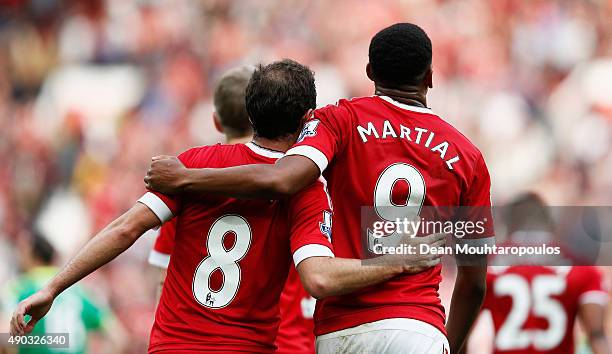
{"type": "Point", "coordinates": [329, 276]}
{"type": "Point", "coordinates": [167, 174]}
{"type": "Point", "coordinates": [321, 273]}
{"type": "Point", "coordinates": [301, 166]}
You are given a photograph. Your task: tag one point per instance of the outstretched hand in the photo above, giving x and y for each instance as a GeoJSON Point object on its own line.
{"type": "Point", "coordinates": [166, 175]}
{"type": "Point", "coordinates": [36, 306]}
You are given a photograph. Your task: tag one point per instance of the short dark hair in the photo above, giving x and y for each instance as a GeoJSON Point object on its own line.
{"type": "Point", "coordinates": [230, 102]}
{"type": "Point", "coordinates": [42, 249]}
{"type": "Point", "coordinates": [528, 211]}
{"type": "Point", "coordinates": [278, 96]}
{"type": "Point", "coordinates": [400, 55]}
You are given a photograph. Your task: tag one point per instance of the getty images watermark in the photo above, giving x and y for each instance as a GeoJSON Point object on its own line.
{"type": "Point", "coordinates": [386, 236]}
{"type": "Point", "coordinates": [507, 235]}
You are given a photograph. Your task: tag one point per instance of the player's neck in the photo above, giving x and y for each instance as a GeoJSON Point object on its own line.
{"type": "Point", "coordinates": [410, 95]}
{"type": "Point", "coordinates": [281, 145]}
{"type": "Point", "coordinates": [238, 140]}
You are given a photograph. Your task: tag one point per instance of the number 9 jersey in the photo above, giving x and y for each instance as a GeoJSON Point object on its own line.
{"type": "Point", "coordinates": [534, 308]}
{"type": "Point", "coordinates": [393, 158]}
{"type": "Point", "coordinates": [231, 259]}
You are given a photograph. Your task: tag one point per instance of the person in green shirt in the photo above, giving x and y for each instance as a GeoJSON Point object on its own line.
{"type": "Point", "coordinates": [74, 312]}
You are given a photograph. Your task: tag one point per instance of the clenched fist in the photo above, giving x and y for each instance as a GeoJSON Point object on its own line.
{"type": "Point", "coordinates": [166, 175]}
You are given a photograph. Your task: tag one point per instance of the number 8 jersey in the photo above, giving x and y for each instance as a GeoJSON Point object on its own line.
{"type": "Point", "coordinates": [231, 259]}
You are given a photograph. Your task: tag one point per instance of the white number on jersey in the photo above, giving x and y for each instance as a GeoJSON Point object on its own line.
{"type": "Point", "coordinates": [308, 305]}
{"type": "Point", "coordinates": [384, 206]}
{"type": "Point", "coordinates": [537, 299]}
{"type": "Point", "coordinates": [222, 259]}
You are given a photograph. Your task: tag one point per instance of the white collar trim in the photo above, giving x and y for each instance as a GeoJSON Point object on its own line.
{"type": "Point", "coordinates": [264, 152]}
{"type": "Point", "coordinates": [407, 107]}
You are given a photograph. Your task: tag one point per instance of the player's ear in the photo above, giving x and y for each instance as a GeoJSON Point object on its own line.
{"type": "Point", "coordinates": [217, 122]}
{"type": "Point", "coordinates": [307, 115]}
{"type": "Point", "coordinates": [369, 72]}
{"type": "Point", "coordinates": [428, 80]}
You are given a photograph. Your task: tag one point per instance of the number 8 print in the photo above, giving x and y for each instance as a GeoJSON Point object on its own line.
{"type": "Point", "coordinates": [223, 259]}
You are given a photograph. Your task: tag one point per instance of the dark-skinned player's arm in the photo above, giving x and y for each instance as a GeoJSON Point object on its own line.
{"type": "Point", "coordinates": [481, 334]}
{"type": "Point", "coordinates": [468, 295]}
{"type": "Point", "coordinates": [470, 284]}
{"type": "Point", "coordinates": [289, 175]}
{"type": "Point", "coordinates": [113, 240]}
{"type": "Point", "coordinates": [328, 276]}
{"type": "Point", "coordinates": [322, 137]}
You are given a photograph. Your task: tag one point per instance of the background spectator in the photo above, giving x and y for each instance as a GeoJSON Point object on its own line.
{"type": "Point", "coordinates": [90, 90]}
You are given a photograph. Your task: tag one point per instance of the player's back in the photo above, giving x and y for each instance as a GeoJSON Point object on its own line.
{"type": "Point", "coordinates": [394, 158]}
{"type": "Point", "coordinates": [229, 263]}
{"type": "Point", "coordinates": [534, 308]}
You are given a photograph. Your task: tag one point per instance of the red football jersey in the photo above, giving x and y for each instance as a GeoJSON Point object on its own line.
{"type": "Point", "coordinates": [534, 308]}
{"type": "Point", "coordinates": [295, 334]}
{"type": "Point", "coordinates": [393, 157]}
{"type": "Point", "coordinates": [231, 258]}
{"type": "Point", "coordinates": [164, 243]}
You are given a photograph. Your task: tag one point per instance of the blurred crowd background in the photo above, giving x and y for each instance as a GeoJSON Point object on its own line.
{"type": "Point", "coordinates": [91, 89]}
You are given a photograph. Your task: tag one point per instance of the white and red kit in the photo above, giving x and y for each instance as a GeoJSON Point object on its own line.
{"type": "Point", "coordinates": [231, 258]}
{"type": "Point", "coordinates": [378, 153]}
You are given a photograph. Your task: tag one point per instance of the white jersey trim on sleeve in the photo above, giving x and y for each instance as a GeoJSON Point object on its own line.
{"type": "Point", "coordinates": [311, 250]}
{"type": "Point", "coordinates": [312, 153]}
{"type": "Point", "coordinates": [159, 259]}
{"type": "Point", "coordinates": [157, 206]}
{"type": "Point", "coordinates": [594, 297]}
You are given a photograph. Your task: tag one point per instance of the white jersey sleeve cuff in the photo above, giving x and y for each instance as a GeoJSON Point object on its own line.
{"type": "Point", "coordinates": [157, 206]}
{"type": "Point", "coordinates": [159, 259]}
{"type": "Point", "coordinates": [312, 250]}
{"type": "Point", "coordinates": [594, 297]}
{"type": "Point", "coordinates": [312, 153]}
